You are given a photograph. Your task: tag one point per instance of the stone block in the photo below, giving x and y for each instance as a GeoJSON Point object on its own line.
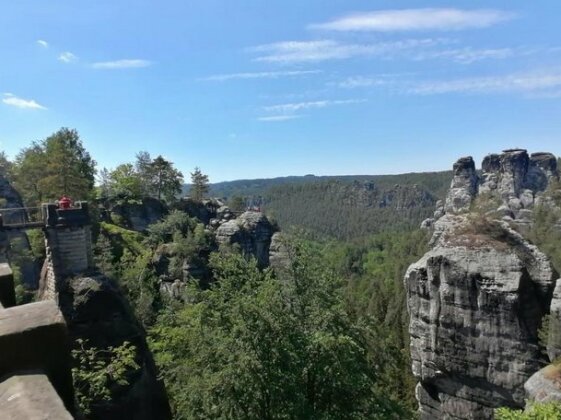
{"type": "Point", "coordinates": [30, 395]}
{"type": "Point", "coordinates": [7, 291]}
{"type": "Point", "coordinates": [32, 337]}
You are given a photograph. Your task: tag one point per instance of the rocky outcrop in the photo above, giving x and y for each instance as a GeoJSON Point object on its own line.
{"type": "Point", "coordinates": [476, 301]}
{"type": "Point", "coordinates": [31, 396]}
{"type": "Point", "coordinates": [478, 297]}
{"type": "Point", "coordinates": [544, 385]}
{"type": "Point", "coordinates": [252, 232]}
{"type": "Point", "coordinates": [464, 186]}
{"type": "Point", "coordinates": [554, 330]}
{"type": "Point", "coordinates": [96, 311]}
{"type": "Point", "coordinates": [510, 185]}
{"type": "Point", "coordinates": [279, 258]}
{"type": "Point", "coordinates": [137, 216]}
{"type": "Point", "coordinates": [204, 210]}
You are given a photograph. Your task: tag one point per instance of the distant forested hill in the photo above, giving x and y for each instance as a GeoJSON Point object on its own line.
{"type": "Point", "coordinates": [342, 206]}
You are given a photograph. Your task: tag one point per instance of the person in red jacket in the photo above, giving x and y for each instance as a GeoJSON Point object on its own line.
{"type": "Point", "coordinates": [64, 202]}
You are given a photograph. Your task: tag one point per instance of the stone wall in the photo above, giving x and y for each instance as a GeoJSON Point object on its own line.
{"type": "Point", "coordinates": [7, 293]}
{"type": "Point", "coordinates": [35, 377]}
{"type": "Point", "coordinates": [69, 252]}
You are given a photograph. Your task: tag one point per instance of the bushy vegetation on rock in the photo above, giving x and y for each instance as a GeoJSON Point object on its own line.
{"type": "Point", "coordinates": [253, 347]}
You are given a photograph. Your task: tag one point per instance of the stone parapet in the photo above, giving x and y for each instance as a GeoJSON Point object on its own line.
{"type": "Point", "coordinates": [7, 292]}
{"type": "Point", "coordinates": [32, 337]}
{"type": "Point", "coordinates": [30, 395]}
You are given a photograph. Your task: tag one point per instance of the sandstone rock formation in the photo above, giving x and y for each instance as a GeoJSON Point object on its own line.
{"type": "Point", "coordinates": [509, 184]}
{"type": "Point", "coordinates": [478, 297]}
{"type": "Point", "coordinates": [205, 210]}
{"type": "Point", "coordinates": [252, 232]}
{"type": "Point", "coordinates": [95, 310]}
{"type": "Point", "coordinates": [137, 216]}
{"type": "Point", "coordinates": [544, 385]}
{"type": "Point", "coordinates": [464, 186]}
{"type": "Point", "coordinates": [31, 396]}
{"type": "Point", "coordinates": [476, 301]}
{"type": "Point", "coordinates": [279, 258]}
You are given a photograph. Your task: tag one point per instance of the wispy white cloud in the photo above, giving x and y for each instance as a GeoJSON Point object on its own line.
{"type": "Point", "coordinates": [12, 100]}
{"type": "Point", "coordinates": [534, 84]}
{"type": "Point", "coordinates": [43, 43]}
{"type": "Point", "coordinates": [363, 81]}
{"type": "Point", "coordinates": [67, 57]}
{"type": "Point", "coordinates": [259, 75]}
{"type": "Point", "coordinates": [322, 50]}
{"type": "Point", "coordinates": [416, 20]}
{"type": "Point", "coordinates": [299, 106]}
{"type": "Point", "coordinates": [279, 118]}
{"type": "Point", "coordinates": [121, 64]}
{"type": "Point", "coordinates": [467, 55]}
{"type": "Point", "coordinates": [538, 83]}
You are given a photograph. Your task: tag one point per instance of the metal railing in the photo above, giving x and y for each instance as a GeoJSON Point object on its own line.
{"type": "Point", "coordinates": [21, 216]}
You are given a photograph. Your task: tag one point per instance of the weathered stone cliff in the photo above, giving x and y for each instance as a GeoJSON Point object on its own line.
{"type": "Point", "coordinates": [509, 184]}
{"type": "Point", "coordinates": [96, 311]}
{"type": "Point", "coordinates": [477, 299]}
{"type": "Point", "coordinates": [252, 231]}
{"type": "Point", "coordinates": [137, 216]}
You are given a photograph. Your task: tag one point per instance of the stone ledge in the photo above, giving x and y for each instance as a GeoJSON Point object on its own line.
{"type": "Point", "coordinates": [7, 291]}
{"type": "Point", "coordinates": [34, 336]}
{"type": "Point", "coordinates": [29, 396]}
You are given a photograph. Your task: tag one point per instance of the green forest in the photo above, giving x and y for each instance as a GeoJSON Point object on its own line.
{"type": "Point", "coordinates": [327, 338]}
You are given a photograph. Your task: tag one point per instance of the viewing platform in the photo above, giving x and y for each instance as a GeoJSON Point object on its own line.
{"type": "Point", "coordinates": [48, 215]}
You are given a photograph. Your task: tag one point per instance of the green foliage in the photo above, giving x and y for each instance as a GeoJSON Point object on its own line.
{"type": "Point", "coordinates": [97, 371]}
{"type": "Point", "coordinates": [546, 233]}
{"type": "Point", "coordinates": [373, 269]}
{"type": "Point", "coordinates": [535, 411]}
{"type": "Point", "coordinates": [128, 239]}
{"type": "Point", "coordinates": [122, 255]}
{"type": "Point", "coordinates": [37, 243]}
{"type": "Point", "coordinates": [177, 222]}
{"type": "Point", "coordinates": [20, 256]}
{"type": "Point", "coordinates": [6, 167]}
{"type": "Point", "coordinates": [485, 203]}
{"type": "Point", "coordinates": [236, 203]}
{"type": "Point", "coordinates": [55, 166]}
{"type": "Point", "coordinates": [253, 347]}
{"type": "Point", "coordinates": [124, 184]}
{"type": "Point", "coordinates": [148, 177]}
{"type": "Point", "coordinates": [164, 180]}
{"type": "Point", "coordinates": [199, 185]}
{"type": "Point", "coordinates": [343, 207]}
{"type": "Point", "coordinates": [346, 210]}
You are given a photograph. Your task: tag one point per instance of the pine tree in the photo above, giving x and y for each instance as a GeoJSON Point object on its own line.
{"type": "Point", "coordinates": [165, 180]}
{"type": "Point", "coordinates": [199, 184]}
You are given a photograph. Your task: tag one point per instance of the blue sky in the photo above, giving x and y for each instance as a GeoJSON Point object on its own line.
{"type": "Point", "coordinates": [253, 88]}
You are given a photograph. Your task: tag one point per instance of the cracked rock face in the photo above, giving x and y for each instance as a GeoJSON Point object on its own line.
{"type": "Point", "coordinates": [476, 301]}
{"type": "Point", "coordinates": [464, 186]}
{"type": "Point", "coordinates": [512, 183]}
{"type": "Point", "coordinates": [252, 231]}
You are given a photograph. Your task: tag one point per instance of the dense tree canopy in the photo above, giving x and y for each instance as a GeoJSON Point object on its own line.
{"type": "Point", "coordinates": [146, 178]}
{"type": "Point", "coordinates": [55, 166]}
{"type": "Point", "coordinates": [253, 347]}
{"type": "Point", "coordinates": [165, 180]}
